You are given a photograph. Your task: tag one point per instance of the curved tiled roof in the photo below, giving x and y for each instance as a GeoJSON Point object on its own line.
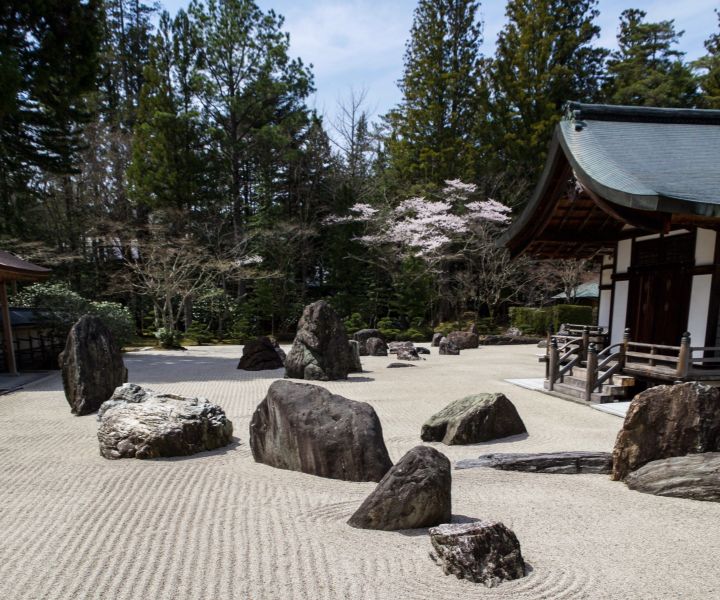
{"type": "Point", "coordinates": [646, 158]}
{"type": "Point", "coordinates": [12, 267]}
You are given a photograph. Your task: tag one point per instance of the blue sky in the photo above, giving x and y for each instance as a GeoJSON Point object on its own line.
{"type": "Point", "coordinates": [360, 43]}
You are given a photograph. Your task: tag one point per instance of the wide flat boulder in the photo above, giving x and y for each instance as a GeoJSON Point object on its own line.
{"type": "Point", "coordinates": [474, 419]}
{"type": "Point", "coordinates": [141, 423]}
{"type": "Point", "coordinates": [363, 335]}
{"type": "Point", "coordinates": [414, 493]}
{"type": "Point", "coordinates": [92, 365]}
{"type": "Point", "coordinates": [407, 354]}
{"type": "Point", "coordinates": [695, 476]}
{"type": "Point", "coordinates": [261, 355]}
{"type": "Point", "coordinates": [666, 421]}
{"type": "Point", "coordinates": [465, 340]}
{"type": "Point", "coordinates": [320, 350]}
{"type": "Point", "coordinates": [484, 552]}
{"type": "Point", "coordinates": [302, 427]}
{"type": "Point", "coordinates": [543, 462]}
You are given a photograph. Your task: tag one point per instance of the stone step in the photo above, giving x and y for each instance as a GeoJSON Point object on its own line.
{"type": "Point", "coordinates": [617, 379]}
{"type": "Point", "coordinates": [579, 393]}
{"type": "Point", "coordinates": [607, 389]}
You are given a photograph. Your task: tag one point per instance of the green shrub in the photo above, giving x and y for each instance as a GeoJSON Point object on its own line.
{"type": "Point", "coordinates": [117, 318]}
{"type": "Point", "coordinates": [389, 329]}
{"type": "Point", "coordinates": [531, 320]}
{"type": "Point", "coordinates": [62, 308]}
{"type": "Point", "coordinates": [354, 323]}
{"type": "Point", "coordinates": [413, 335]}
{"type": "Point", "coordinates": [169, 338]}
{"type": "Point", "coordinates": [571, 313]}
{"type": "Point", "coordinates": [199, 333]}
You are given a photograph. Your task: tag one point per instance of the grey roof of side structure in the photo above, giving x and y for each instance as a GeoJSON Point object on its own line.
{"type": "Point", "coordinates": [646, 158]}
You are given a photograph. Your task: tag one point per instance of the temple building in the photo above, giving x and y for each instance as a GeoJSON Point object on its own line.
{"type": "Point", "coordinates": [638, 189]}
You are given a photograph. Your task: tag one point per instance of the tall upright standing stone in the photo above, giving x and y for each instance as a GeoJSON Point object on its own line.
{"type": "Point", "coordinates": [92, 365]}
{"type": "Point", "coordinates": [320, 350]}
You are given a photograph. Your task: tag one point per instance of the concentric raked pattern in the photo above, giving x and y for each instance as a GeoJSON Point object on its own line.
{"type": "Point", "coordinates": [219, 526]}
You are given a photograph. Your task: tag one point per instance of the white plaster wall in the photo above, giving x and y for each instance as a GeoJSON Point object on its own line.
{"type": "Point", "coordinates": [699, 308]}
{"type": "Point", "coordinates": [624, 250]}
{"type": "Point", "coordinates": [607, 260]}
{"type": "Point", "coordinates": [705, 247]}
{"type": "Point", "coordinates": [619, 311]}
{"type": "Point", "coordinates": [606, 278]}
{"type": "Point", "coordinates": [604, 308]}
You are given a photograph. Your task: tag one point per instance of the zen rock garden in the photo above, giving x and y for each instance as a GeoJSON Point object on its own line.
{"type": "Point", "coordinates": [669, 444]}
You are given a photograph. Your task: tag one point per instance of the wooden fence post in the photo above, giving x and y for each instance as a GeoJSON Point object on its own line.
{"type": "Point", "coordinates": [592, 363]}
{"type": "Point", "coordinates": [684, 356]}
{"type": "Point", "coordinates": [624, 348]}
{"type": "Point", "coordinates": [585, 342]}
{"type": "Point", "coordinates": [554, 367]}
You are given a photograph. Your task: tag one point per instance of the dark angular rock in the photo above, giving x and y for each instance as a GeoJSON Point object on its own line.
{"type": "Point", "coordinates": [543, 462]}
{"type": "Point", "coordinates": [305, 428]}
{"type": "Point", "coordinates": [320, 350]}
{"type": "Point", "coordinates": [92, 365]}
{"type": "Point", "coordinates": [464, 340]}
{"type": "Point", "coordinates": [260, 355]}
{"type": "Point", "coordinates": [474, 419]}
{"type": "Point", "coordinates": [695, 476]}
{"type": "Point", "coordinates": [667, 421]}
{"type": "Point", "coordinates": [356, 365]}
{"type": "Point", "coordinates": [397, 365]}
{"type": "Point", "coordinates": [414, 493]}
{"type": "Point", "coordinates": [446, 347]}
{"type": "Point", "coordinates": [140, 423]}
{"type": "Point", "coordinates": [421, 350]}
{"type": "Point", "coordinates": [363, 335]}
{"type": "Point", "coordinates": [436, 339]}
{"type": "Point", "coordinates": [376, 346]}
{"type": "Point", "coordinates": [483, 552]}
{"type": "Point", "coordinates": [393, 347]}
{"type": "Point", "coordinates": [407, 354]}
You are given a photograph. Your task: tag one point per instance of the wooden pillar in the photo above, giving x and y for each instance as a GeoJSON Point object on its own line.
{"type": "Point", "coordinates": [7, 331]}
{"type": "Point", "coordinates": [554, 366]}
{"type": "Point", "coordinates": [684, 356]}
{"type": "Point", "coordinates": [591, 372]}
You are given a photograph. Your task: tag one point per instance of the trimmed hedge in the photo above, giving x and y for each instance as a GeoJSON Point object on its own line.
{"type": "Point", "coordinates": [532, 320]}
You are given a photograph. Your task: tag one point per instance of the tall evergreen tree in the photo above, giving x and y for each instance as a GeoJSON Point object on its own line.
{"type": "Point", "coordinates": [544, 58]}
{"type": "Point", "coordinates": [253, 92]}
{"type": "Point", "coordinates": [48, 61]}
{"type": "Point", "coordinates": [709, 67]}
{"type": "Point", "coordinates": [433, 131]}
{"type": "Point", "coordinates": [646, 69]}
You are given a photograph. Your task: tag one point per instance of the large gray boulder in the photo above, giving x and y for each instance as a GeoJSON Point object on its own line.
{"type": "Point", "coordinates": [92, 365]}
{"type": "Point", "coordinates": [141, 423]}
{"type": "Point", "coordinates": [320, 350]}
{"type": "Point", "coordinates": [473, 419]}
{"type": "Point", "coordinates": [446, 347]}
{"type": "Point", "coordinates": [436, 339]}
{"type": "Point", "coordinates": [695, 476]}
{"type": "Point", "coordinates": [667, 421]}
{"type": "Point", "coordinates": [543, 462]}
{"type": "Point", "coordinates": [305, 428]}
{"type": "Point", "coordinates": [464, 340]}
{"type": "Point", "coordinates": [482, 552]}
{"type": "Point", "coordinates": [363, 335]}
{"type": "Point", "coordinates": [260, 355]}
{"type": "Point", "coordinates": [414, 493]}
{"type": "Point", "coordinates": [376, 346]}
